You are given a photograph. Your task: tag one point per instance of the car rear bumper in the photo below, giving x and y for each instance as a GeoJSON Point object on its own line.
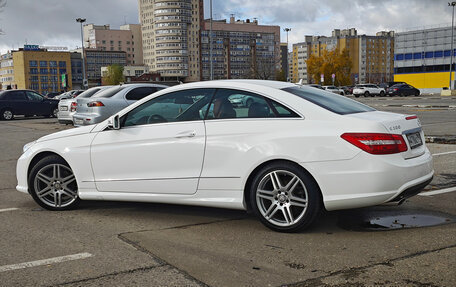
{"type": "Point", "coordinates": [372, 179]}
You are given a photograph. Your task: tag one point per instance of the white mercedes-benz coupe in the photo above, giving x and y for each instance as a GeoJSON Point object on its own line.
{"type": "Point", "coordinates": [294, 151]}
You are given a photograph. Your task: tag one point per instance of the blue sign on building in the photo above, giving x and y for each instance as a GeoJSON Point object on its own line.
{"type": "Point", "coordinates": [31, 47]}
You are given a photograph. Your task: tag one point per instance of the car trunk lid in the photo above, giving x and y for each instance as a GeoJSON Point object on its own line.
{"type": "Point", "coordinates": [408, 126]}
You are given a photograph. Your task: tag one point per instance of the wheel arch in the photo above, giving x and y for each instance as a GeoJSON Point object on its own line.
{"type": "Point", "coordinates": [39, 156]}
{"type": "Point", "coordinates": [251, 176]}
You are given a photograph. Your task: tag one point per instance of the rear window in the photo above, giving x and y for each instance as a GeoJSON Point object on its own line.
{"type": "Point", "coordinates": [108, 93]}
{"type": "Point", "coordinates": [89, 93]}
{"type": "Point", "coordinates": [330, 101]}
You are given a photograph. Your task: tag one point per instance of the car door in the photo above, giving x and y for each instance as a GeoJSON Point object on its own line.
{"type": "Point", "coordinates": [37, 104]}
{"type": "Point", "coordinates": [158, 149]}
{"type": "Point", "coordinates": [236, 136]}
{"type": "Point", "coordinates": [17, 101]}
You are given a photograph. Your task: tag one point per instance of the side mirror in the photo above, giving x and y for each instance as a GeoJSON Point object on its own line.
{"type": "Point", "coordinates": [114, 123]}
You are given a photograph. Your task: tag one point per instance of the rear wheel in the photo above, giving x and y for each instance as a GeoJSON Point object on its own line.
{"type": "Point", "coordinates": [285, 198]}
{"type": "Point", "coordinates": [7, 114]}
{"type": "Point", "coordinates": [53, 185]}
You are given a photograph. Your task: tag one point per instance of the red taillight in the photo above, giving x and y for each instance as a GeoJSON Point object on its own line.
{"type": "Point", "coordinates": [374, 143]}
{"type": "Point", "coordinates": [395, 89]}
{"type": "Point", "coordinates": [411, 117]}
{"type": "Point", "coordinates": [95, 104]}
{"type": "Point", "coordinates": [73, 107]}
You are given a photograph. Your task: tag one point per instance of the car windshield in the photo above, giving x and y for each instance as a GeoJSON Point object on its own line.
{"type": "Point", "coordinates": [108, 93]}
{"type": "Point", "coordinates": [330, 101]}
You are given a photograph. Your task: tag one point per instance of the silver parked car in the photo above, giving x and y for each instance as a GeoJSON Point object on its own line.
{"type": "Point", "coordinates": [67, 106]}
{"type": "Point", "coordinates": [108, 102]}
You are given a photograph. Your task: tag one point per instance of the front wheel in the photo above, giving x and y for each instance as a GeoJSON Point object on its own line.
{"type": "Point", "coordinates": [52, 184]}
{"type": "Point", "coordinates": [382, 93]}
{"type": "Point", "coordinates": [285, 198]}
{"type": "Point", "coordinates": [366, 94]}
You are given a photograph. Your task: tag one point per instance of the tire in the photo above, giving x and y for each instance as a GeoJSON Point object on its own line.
{"type": "Point", "coordinates": [52, 184]}
{"type": "Point", "coordinates": [290, 204]}
{"type": "Point", "coordinates": [54, 112]}
{"type": "Point", "coordinates": [417, 93]}
{"type": "Point", "coordinates": [401, 95]}
{"type": "Point", "coordinates": [356, 95]}
{"type": "Point", "coordinates": [7, 114]}
{"type": "Point", "coordinates": [382, 94]}
{"type": "Point", "coordinates": [248, 103]}
{"type": "Point", "coordinates": [366, 94]}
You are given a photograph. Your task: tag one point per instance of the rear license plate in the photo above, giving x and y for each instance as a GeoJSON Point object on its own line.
{"type": "Point", "coordinates": [78, 122]}
{"type": "Point", "coordinates": [414, 140]}
{"type": "Point", "coordinates": [64, 108]}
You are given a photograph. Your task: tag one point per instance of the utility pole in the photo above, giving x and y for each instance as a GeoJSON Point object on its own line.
{"type": "Point", "coordinates": [286, 72]}
{"type": "Point", "coordinates": [84, 80]}
{"type": "Point", "coordinates": [210, 45]}
{"type": "Point", "coordinates": [452, 52]}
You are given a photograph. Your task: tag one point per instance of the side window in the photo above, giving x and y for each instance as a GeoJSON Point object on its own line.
{"type": "Point", "coordinates": [16, 96]}
{"type": "Point", "coordinates": [282, 111]}
{"type": "Point", "coordinates": [231, 104]}
{"type": "Point", "coordinates": [188, 105]}
{"type": "Point", "coordinates": [33, 96]}
{"type": "Point", "coordinates": [139, 93]}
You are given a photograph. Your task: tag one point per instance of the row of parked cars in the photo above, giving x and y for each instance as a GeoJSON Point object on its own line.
{"type": "Point", "coordinates": [370, 90]}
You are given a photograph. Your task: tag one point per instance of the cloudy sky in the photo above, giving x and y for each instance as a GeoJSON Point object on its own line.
{"type": "Point", "coordinates": [52, 22]}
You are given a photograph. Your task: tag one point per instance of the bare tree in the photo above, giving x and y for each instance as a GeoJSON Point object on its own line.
{"type": "Point", "coordinates": [2, 6]}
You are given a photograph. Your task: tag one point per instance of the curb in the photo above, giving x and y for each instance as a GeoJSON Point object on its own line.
{"type": "Point", "coordinates": [440, 139]}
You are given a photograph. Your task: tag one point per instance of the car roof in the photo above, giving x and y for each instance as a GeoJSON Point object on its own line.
{"type": "Point", "coordinates": [234, 84]}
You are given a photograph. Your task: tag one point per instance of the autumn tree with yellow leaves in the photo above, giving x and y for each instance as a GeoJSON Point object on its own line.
{"type": "Point", "coordinates": [330, 62]}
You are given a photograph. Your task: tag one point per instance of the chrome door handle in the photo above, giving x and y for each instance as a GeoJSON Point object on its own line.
{"type": "Point", "coordinates": [186, 134]}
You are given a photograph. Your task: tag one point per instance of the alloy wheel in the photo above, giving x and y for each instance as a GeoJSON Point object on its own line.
{"type": "Point", "coordinates": [7, 115]}
{"type": "Point", "coordinates": [282, 198]}
{"type": "Point", "coordinates": [55, 185]}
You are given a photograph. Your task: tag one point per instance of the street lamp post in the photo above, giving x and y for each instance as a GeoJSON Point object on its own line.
{"type": "Point", "coordinates": [84, 80]}
{"type": "Point", "coordinates": [286, 72]}
{"type": "Point", "coordinates": [210, 44]}
{"type": "Point", "coordinates": [452, 52]}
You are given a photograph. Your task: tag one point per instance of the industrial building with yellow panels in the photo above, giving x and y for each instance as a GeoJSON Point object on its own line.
{"type": "Point", "coordinates": [371, 56]}
{"type": "Point", "coordinates": [41, 70]}
{"type": "Point", "coordinates": [422, 58]}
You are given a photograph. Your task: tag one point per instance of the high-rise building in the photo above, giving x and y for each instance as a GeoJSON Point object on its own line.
{"type": "Point", "coordinates": [284, 58]}
{"type": "Point", "coordinates": [171, 37]}
{"type": "Point", "coordinates": [76, 70]}
{"type": "Point", "coordinates": [422, 58]}
{"type": "Point", "coordinates": [240, 49]}
{"type": "Point", "coordinates": [371, 56]}
{"type": "Point", "coordinates": [41, 70]}
{"type": "Point", "coordinates": [127, 39]}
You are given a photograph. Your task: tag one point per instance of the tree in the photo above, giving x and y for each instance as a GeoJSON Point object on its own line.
{"type": "Point", "coordinates": [114, 76]}
{"type": "Point", "coordinates": [280, 76]}
{"type": "Point", "coordinates": [330, 62]}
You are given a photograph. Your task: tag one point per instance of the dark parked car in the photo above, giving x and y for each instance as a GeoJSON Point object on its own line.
{"type": "Point", "coordinates": [27, 103]}
{"type": "Point", "coordinates": [402, 90]}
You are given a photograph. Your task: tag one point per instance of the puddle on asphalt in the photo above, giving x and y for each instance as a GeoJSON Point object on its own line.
{"type": "Point", "coordinates": [375, 220]}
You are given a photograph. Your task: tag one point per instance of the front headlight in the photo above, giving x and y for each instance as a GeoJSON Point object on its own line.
{"type": "Point", "coordinates": [27, 146]}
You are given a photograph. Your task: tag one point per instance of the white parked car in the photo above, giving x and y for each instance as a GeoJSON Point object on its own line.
{"type": "Point", "coordinates": [334, 89]}
{"type": "Point", "coordinates": [293, 152]}
{"type": "Point", "coordinates": [368, 90]}
{"type": "Point", "coordinates": [67, 106]}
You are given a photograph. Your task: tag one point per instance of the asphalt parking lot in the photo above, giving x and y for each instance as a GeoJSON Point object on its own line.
{"type": "Point", "coordinates": [140, 244]}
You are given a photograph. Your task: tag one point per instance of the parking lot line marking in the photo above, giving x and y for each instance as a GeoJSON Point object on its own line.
{"type": "Point", "coordinates": [442, 153]}
{"type": "Point", "coordinates": [440, 191]}
{"type": "Point", "coordinates": [44, 262]}
{"type": "Point", "coordinates": [8, 209]}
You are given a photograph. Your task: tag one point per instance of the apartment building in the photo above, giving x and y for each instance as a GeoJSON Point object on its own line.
{"type": "Point", "coordinates": [240, 49]}
{"type": "Point", "coordinates": [127, 39]}
{"type": "Point", "coordinates": [422, 58]}
{"type": "Point", "coordinates": [371, 56]}
{"type": "Point", "coordinates": [7, 71]}
{"type": "Point", "coordinates": [171, 37]}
